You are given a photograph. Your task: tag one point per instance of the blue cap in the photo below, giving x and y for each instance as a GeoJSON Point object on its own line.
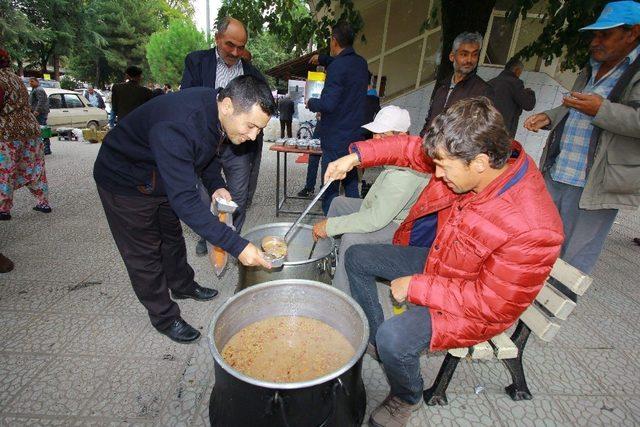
{"type": "Point", "coordinates": [615, 14]}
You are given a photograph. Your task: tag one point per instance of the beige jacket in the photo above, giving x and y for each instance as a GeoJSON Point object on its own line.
{"type": "Point", "coordinates": [613, 180]}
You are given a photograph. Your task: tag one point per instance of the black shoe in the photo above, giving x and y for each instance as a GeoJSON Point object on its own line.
{"type": "Point", "coordinates": [42, 208]}
{"type": "Point", "coordinates": [198, 293]}
{"type": "Point", "coordinates": [201, 247]}
{"type": "Point", "coordinates": [637, 241]}
{"type": "Point", "coordinates": [306, 192]}
{"type": "Point", "coordinates": [180, 331]}
{"type": "Point", "coordinates": [5, 216]}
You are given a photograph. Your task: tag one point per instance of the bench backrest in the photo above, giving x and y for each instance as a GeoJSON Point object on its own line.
{"type": "Point", "coordinates": [544, 316]}
{"type": "Point", "coordinates": [551, 306]}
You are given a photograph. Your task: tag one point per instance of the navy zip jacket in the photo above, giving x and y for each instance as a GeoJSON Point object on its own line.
{"type": "Point", "coordinates": [342, 101]}
{"type": "Point", "coordinates": [160, 149]}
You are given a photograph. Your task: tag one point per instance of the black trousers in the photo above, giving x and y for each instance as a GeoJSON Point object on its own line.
{"type": "Point", "coordinates": [288, 124]}
{"type": "Point", "coordinates": [149, 237]}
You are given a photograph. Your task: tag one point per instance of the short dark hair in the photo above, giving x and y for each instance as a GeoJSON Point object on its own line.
{"type": "Point", "coordinates": [247, 91]}
{"type": "Point", "coordinates": [343, 33]}
{"type": "Point", "coordinates": [469, 127]}
{"type": "Point", "coordinates": [133, 71]}
{"type": "Point", "coordinates": [513, 64]}
{"type": "Point", "coordinates": [35, 79]}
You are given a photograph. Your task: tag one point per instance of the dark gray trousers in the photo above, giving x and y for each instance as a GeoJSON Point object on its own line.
{"type": "Point", "coordinates": [585, 230]}
{"type": "Point", "coordinates": [149, 237]}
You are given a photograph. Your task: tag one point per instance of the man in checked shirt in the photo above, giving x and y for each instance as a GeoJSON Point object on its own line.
{"type": "Point", "coordinates": [591, 161]}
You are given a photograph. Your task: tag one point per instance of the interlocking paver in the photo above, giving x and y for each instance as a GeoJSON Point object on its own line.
{"type": "Point", "coordinates": [78, 349]}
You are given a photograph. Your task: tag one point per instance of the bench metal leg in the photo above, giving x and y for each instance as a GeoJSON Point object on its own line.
{"type": "Point", "coordinates": [518, 389]}
{"type": "Point", "coordinates": [436, 395]}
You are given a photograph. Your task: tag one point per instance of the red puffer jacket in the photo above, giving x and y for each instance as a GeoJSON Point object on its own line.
{"type": "Point", "coordinates": [492, 250]}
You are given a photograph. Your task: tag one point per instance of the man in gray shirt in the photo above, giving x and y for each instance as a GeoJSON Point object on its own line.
{"type": "Point", "coordinates": [40, 106]}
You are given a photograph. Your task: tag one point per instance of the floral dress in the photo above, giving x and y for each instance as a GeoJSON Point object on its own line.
{"type": "Point", "coordinates": [21, 148]}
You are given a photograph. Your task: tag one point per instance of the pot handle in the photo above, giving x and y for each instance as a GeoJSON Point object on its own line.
{"type": "Point", "coordinates": [324, 265]}
{"type": "Point", "coordinates": [279, 402]}
{"type": "Point", "coordinates": [334, 400]}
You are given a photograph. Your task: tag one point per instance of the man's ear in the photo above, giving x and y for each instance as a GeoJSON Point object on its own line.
{"type": "Point", "coordinates": [226, 107]}
{"type": "Point", "coordinates": [481, 163]}
{"type": "Point", "coordinates": [451, 56]}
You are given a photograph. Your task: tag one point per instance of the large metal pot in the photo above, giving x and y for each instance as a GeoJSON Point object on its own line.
{"type": "Point", "coordinates": [297, 264]}
{"type": "Point", "coordinates": [336, 399]}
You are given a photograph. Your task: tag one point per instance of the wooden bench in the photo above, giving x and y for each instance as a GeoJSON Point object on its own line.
{"type": "Point", "coordinates": [543, 318]}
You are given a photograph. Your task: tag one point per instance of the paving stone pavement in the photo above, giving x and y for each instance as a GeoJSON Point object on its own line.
{"type": "Point", "coordinates": [78, 350]}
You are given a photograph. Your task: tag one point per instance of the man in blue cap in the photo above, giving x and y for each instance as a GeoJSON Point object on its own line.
{"type": "Point", "coordinates": [591, 160]}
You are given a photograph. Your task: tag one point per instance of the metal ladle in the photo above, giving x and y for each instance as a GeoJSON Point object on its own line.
{"type": "Point", "coordinates": [307, 209]}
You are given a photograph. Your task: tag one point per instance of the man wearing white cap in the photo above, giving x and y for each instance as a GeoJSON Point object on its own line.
{"type": "Point", "coordinates": [375, 218]}
{"type": "Point", "coordinates": [591, 160]}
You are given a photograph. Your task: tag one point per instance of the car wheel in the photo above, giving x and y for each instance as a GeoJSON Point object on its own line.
{"type": "Point", "coordinates": [93, 125]}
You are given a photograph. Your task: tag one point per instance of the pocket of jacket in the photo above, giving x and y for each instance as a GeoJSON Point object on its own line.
{"type": "Point", "coordinates": [622, 169]}
{"type": "Point", "coordinates": [466, 254]}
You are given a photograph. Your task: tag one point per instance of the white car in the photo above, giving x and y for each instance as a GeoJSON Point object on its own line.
{"type": "Point", "coordinates": [72, 110]}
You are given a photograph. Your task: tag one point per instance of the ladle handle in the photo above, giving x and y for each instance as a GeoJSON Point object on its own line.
{"type": "Point", "coordinates": [307, 209]}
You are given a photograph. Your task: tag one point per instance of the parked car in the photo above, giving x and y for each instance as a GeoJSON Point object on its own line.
{"type": "Point", "coordinates": [70, 109]}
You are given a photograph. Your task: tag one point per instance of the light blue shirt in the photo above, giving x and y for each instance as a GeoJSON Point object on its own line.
{"type": "Point", "coordinates": [571, 164]}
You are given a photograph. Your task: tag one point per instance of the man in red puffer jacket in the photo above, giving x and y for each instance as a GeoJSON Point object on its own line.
{"type": "Point", "coordinates": [472, 254]}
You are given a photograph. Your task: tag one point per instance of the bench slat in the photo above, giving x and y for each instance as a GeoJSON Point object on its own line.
{"type": "Point", "coordinates": [459, 352]}
{"type": "Point", "coordinates": [554, 301]}
{"type": "Point", "coordinates": [571, 277]}
{"type": "Point", "coordinates": [539, 323]}
{"type": "Point", "coordinates": [504, 347]}
{"type": "Point", "coordinates": [482, 350]}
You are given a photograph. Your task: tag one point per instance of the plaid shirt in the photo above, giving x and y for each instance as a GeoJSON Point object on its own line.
{"type": "Point", "coordinates": [571, 164]}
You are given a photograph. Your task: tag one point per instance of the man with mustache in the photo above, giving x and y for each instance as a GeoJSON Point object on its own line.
{"type": "Point", "coordinates": [591, 160]}
{"type": "Point", "coordinates": [464, 83]}
{"type": "Point", "coordinates": [215, 68]}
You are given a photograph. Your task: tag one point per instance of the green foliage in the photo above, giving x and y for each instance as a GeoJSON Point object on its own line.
{"type": "Point", "coordinates": [293, 24]}
{"type": "Point", "coordinates": [115, 36]}
{"type": "Point", "coordinates": [95, 39]}
{"type": "Point", "coordinates": [562, 19]}
{"type": "Point", "coordinates": [68, 82]}
{"type": "Point", "coordinates": [16, 31]}
{"type": "Point", "coordinates": [167, 49]}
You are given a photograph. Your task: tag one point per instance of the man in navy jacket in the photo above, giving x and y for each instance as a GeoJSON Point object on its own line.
{"type": "Point", "coordinates": [215, 68]}
{"type": "Point", "coordinates": [148, 175]}
{"type": "Point", "coordinates": [342, 104]}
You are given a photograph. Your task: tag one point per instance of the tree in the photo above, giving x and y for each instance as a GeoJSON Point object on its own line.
{"type": "Point", "coordinates": [17, 32]}
{"type": "Point", "coordinates": [266, 51]}
{"type": "Point", "coordinates": [58, 22]}
{"type": "Point", "coordinates": [292, 22]}
{"type": "Point", "coordinates": [560, 34]}
{"type": "Point", "coordinates": [167, 49]}
{"type": "Point", "coordinates": [115, 36]}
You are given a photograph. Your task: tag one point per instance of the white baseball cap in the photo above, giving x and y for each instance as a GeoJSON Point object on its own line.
{"type": "Point", "coordinates": [390, 119]}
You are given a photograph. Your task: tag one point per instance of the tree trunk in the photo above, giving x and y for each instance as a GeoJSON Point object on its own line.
{"type": "Point", "coordinates": [98, 76]}
{"type": "Point", "coordinates": [20, 67]}
{"type": "Point", "coordinates": [56, 67]}
{"type": "Point", "coordinates": [459, 16]}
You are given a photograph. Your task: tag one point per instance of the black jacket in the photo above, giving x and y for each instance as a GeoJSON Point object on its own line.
{"type": "Point", "coordinates": [511, 97]}
{"type": "Point", "coordinates": [126, 97]}
{"type": "Point", "coordinates": [161, 149]}
{"type": "Point", "coordinates": [286, 109]}
{"type": "Point", "coordinates": [342, 101]}
{"type": "Point", "coordinates": [200, 70]}
{"type": "Point", "coordinates": [469, 87]}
